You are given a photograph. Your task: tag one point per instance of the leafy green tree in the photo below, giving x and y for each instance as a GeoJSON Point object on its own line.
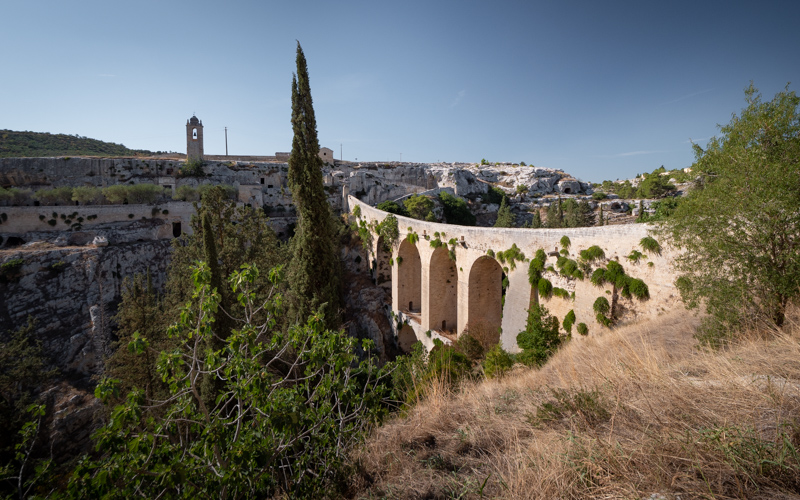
{"type": "Point", "coordinates": [282, 426]}
{"type": "Point", "coordinates": [456, 210]}
{"type": "Point", "coordinates": [314, 271]}
{"type": "Point", "coordinates": [655, 185]}
{"type": "Point", "coordinates": [739, 228]}
{"type": "Point", "coordinates": [393, 208]}
{"type": "Point", "coordinates": [505, 218]}
{"type": "Point", "coordinates": [419, 207]}
{"type": "Point", "coordinates": [140, 310]}
{"type": "Point", "coordinates": [540, 339]}
{"type": "Point", "coordinates": [24, 373]}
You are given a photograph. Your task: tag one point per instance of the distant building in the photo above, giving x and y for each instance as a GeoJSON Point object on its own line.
{"type": "Point", "coordinates": [326, 154]}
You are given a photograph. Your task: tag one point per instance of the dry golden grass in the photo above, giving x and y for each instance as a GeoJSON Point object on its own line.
{"type": "Point", "coordinates": [628, 414]}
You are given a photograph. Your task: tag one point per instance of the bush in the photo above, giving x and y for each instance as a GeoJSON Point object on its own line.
{"type": "Point", "coordinates": [639, 289]}
{"type": "Point", "coordinates": [419, 207]}
{"type": "Point", "coordinates": [583, 329]}
{"type": "Point", "coordinates": [56, 196]}
{"type": "Point", "coordinates": [186, 193]}
{"type": "Point", "coordinates": [469, 346]}
{"type": "Point", "coordinates": [650, 245]}
{"type": "Point", "coordinates": [87, 194]}
{"type": "Point", "coordinates": [116, 194]}
{"type": "Point", "coordinates": [192, 168]}
{"type": "Point", "coordinates": [545, 288]}
{"type": "Point", "coordinates": [493, 195]}
{"type": "Point", "coordinates": [497, 362]}
{"type": "Point", "coordinates": [540, 339]}
{"type": "Point", "coordinates": [593, 253]}
{"type": "Point", "coordinates": [456, 210]}
{"type": "Point", "coordinates": [601, 305]}
{"type": "Point", "coordinates": [565, 242]}
{"type": "Point", "coordinates": [144, 193]}
{"type": "Point", "coordinates": [569, 320]}
{"type": "Point", "coordinates": [599, 195]}
{"type": "Point", "coordinates": [393, 208]}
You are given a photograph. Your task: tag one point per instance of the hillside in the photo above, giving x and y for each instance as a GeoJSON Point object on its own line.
{"type": "Point", "coordinates": [15, 144]}
{"type": "Point", "coordinates": [637, 412]}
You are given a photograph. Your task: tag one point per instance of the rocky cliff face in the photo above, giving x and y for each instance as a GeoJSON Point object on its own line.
{"type": "Point", "coordinates": [73, 293]}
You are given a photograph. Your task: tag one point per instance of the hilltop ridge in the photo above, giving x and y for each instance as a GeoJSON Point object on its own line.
{"type": "Point", "coordinates": [15, 144]}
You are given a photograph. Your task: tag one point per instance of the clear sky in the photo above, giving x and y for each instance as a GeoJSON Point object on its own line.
{"type": "Point", "coordinates": [600, 89]}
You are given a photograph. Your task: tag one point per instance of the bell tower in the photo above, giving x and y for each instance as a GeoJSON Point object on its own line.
{"type": "Point", "coordinates": [194, 139]}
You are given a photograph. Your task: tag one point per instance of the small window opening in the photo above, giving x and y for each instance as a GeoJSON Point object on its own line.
{"type": "Point", "coordinates": [194, 134]}
{"type": "Point", "coordinates": [176, 229]}
{"type": "Point", "coordinates": [262, 180]}
{"type": "Point", "coordinates": [268, 185]}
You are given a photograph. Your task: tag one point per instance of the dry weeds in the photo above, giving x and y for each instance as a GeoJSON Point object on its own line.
{"type": "Point", "coordinates": [632, 413]}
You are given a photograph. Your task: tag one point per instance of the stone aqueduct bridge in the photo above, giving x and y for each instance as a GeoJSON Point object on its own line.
{"type": "Point", "coordinates": [432, 292]}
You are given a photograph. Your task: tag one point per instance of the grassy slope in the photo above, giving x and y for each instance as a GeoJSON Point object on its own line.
{"type": "Point", "coordinates": [627, 414]}
{"type": "Point", "coordinates": [37, 144]}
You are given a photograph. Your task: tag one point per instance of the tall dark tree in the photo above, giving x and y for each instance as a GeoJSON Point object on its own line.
{"type": "Point", "coordinates": [314, 272]}
{"type": "Point", "coordinates": [505, 218]}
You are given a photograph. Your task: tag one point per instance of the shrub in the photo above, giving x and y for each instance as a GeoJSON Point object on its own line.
{"type": "Point", "coordinates": [565, 242]}
{"type": "Point", "coordinates": [583, 329]}
{"type": "Point", "coordinates": [545, 288]}
{"type": "Point", "coordinates": [144, 193]}
{"type": "Point", "coordinates": [456, 210]}
{"type": "Point", "coordinates": [469, 346]}
{"type": "Point", "coordinates": [569, 320]}
{"type": "Point", "coordinates": [52, 222]}
{"type": "Point", "coordinates": [60, 195]}
{"type": "Point", "coordinates": [599, 195]}
{"type": "Point", "coordinates": [601, 305]}
{"type": "Point", "coordinates": [540, 339]}
{"type": "Point", "coordinates": [186, 193]}
{"type": "Point", "coordinates": [592, 254]}
{"type": "Point", "coordinates": [497, 362]}
{"type": "Point", "coordinates": [192, 168]}
{"type": "Point", "coordinates": [419, 207]}
{"type": "Point", "coordinates": [494, 195]}
{"type": "Point", "coordinates": [650, 245]}
{"type": "Point", "coordinates": [635, 256]}
{"type": "Point", "coordinates": [639, 289]}
{"type": "Point", "coordinates": [393, 208]}
{"type": "Point", "coordinates": [116, 194]}
{"type": "Point", "coordinates": [598, 277]}
{"type": "Point", "coordinates": [357, 211]}
{"type": "Point", "coordinates": [87, 194]}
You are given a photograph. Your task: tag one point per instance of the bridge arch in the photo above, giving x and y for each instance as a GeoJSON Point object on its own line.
{"type": "Point", "coordinates": [406, 338]}
{"type": "Point", "coordinates": [442, 307]}
{"type": "Point", "coordinates": [485, 292]}
{"type": "Point", "coordinates": [408, 266]}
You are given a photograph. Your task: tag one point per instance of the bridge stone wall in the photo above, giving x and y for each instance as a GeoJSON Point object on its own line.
{"type": "Point", "coordinates": [478, 275]}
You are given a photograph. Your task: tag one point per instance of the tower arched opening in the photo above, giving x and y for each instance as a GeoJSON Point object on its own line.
{"type": "Point", "coordinates": [406, 338]}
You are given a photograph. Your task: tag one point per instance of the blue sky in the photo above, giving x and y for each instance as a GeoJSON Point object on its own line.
{"type": "Point", "coordinates": [602, 90]}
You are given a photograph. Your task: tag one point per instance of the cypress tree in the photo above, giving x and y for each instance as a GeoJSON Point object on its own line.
{"type": "Point", "coordinates": [602, 221]}
{"type": "Point", "coordinates": [504, 216]}
{"type": "Point", "coordinates": [314, 270]}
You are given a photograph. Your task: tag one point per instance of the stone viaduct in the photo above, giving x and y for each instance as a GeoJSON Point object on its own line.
{"type": "Point", "coordinates": [434, 296]}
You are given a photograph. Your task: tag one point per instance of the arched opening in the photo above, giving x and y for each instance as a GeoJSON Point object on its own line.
{"type": "Point", "coordinates": [443, 292]}
{"type": "Point", "coordinates": [409, 278]}
{"type": "Point", "coordinates": [406, 338]}
{"type": "Point", "coordinates": [176, 229]}
{"type": "Point", "coordinates": [567, 190]}
{"type": "Point", "coordinates": [485, 308]}
{"type": "Point", "coordinates": [194, 134]}
{"type": "Point", "coordinates": [383, 268]}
